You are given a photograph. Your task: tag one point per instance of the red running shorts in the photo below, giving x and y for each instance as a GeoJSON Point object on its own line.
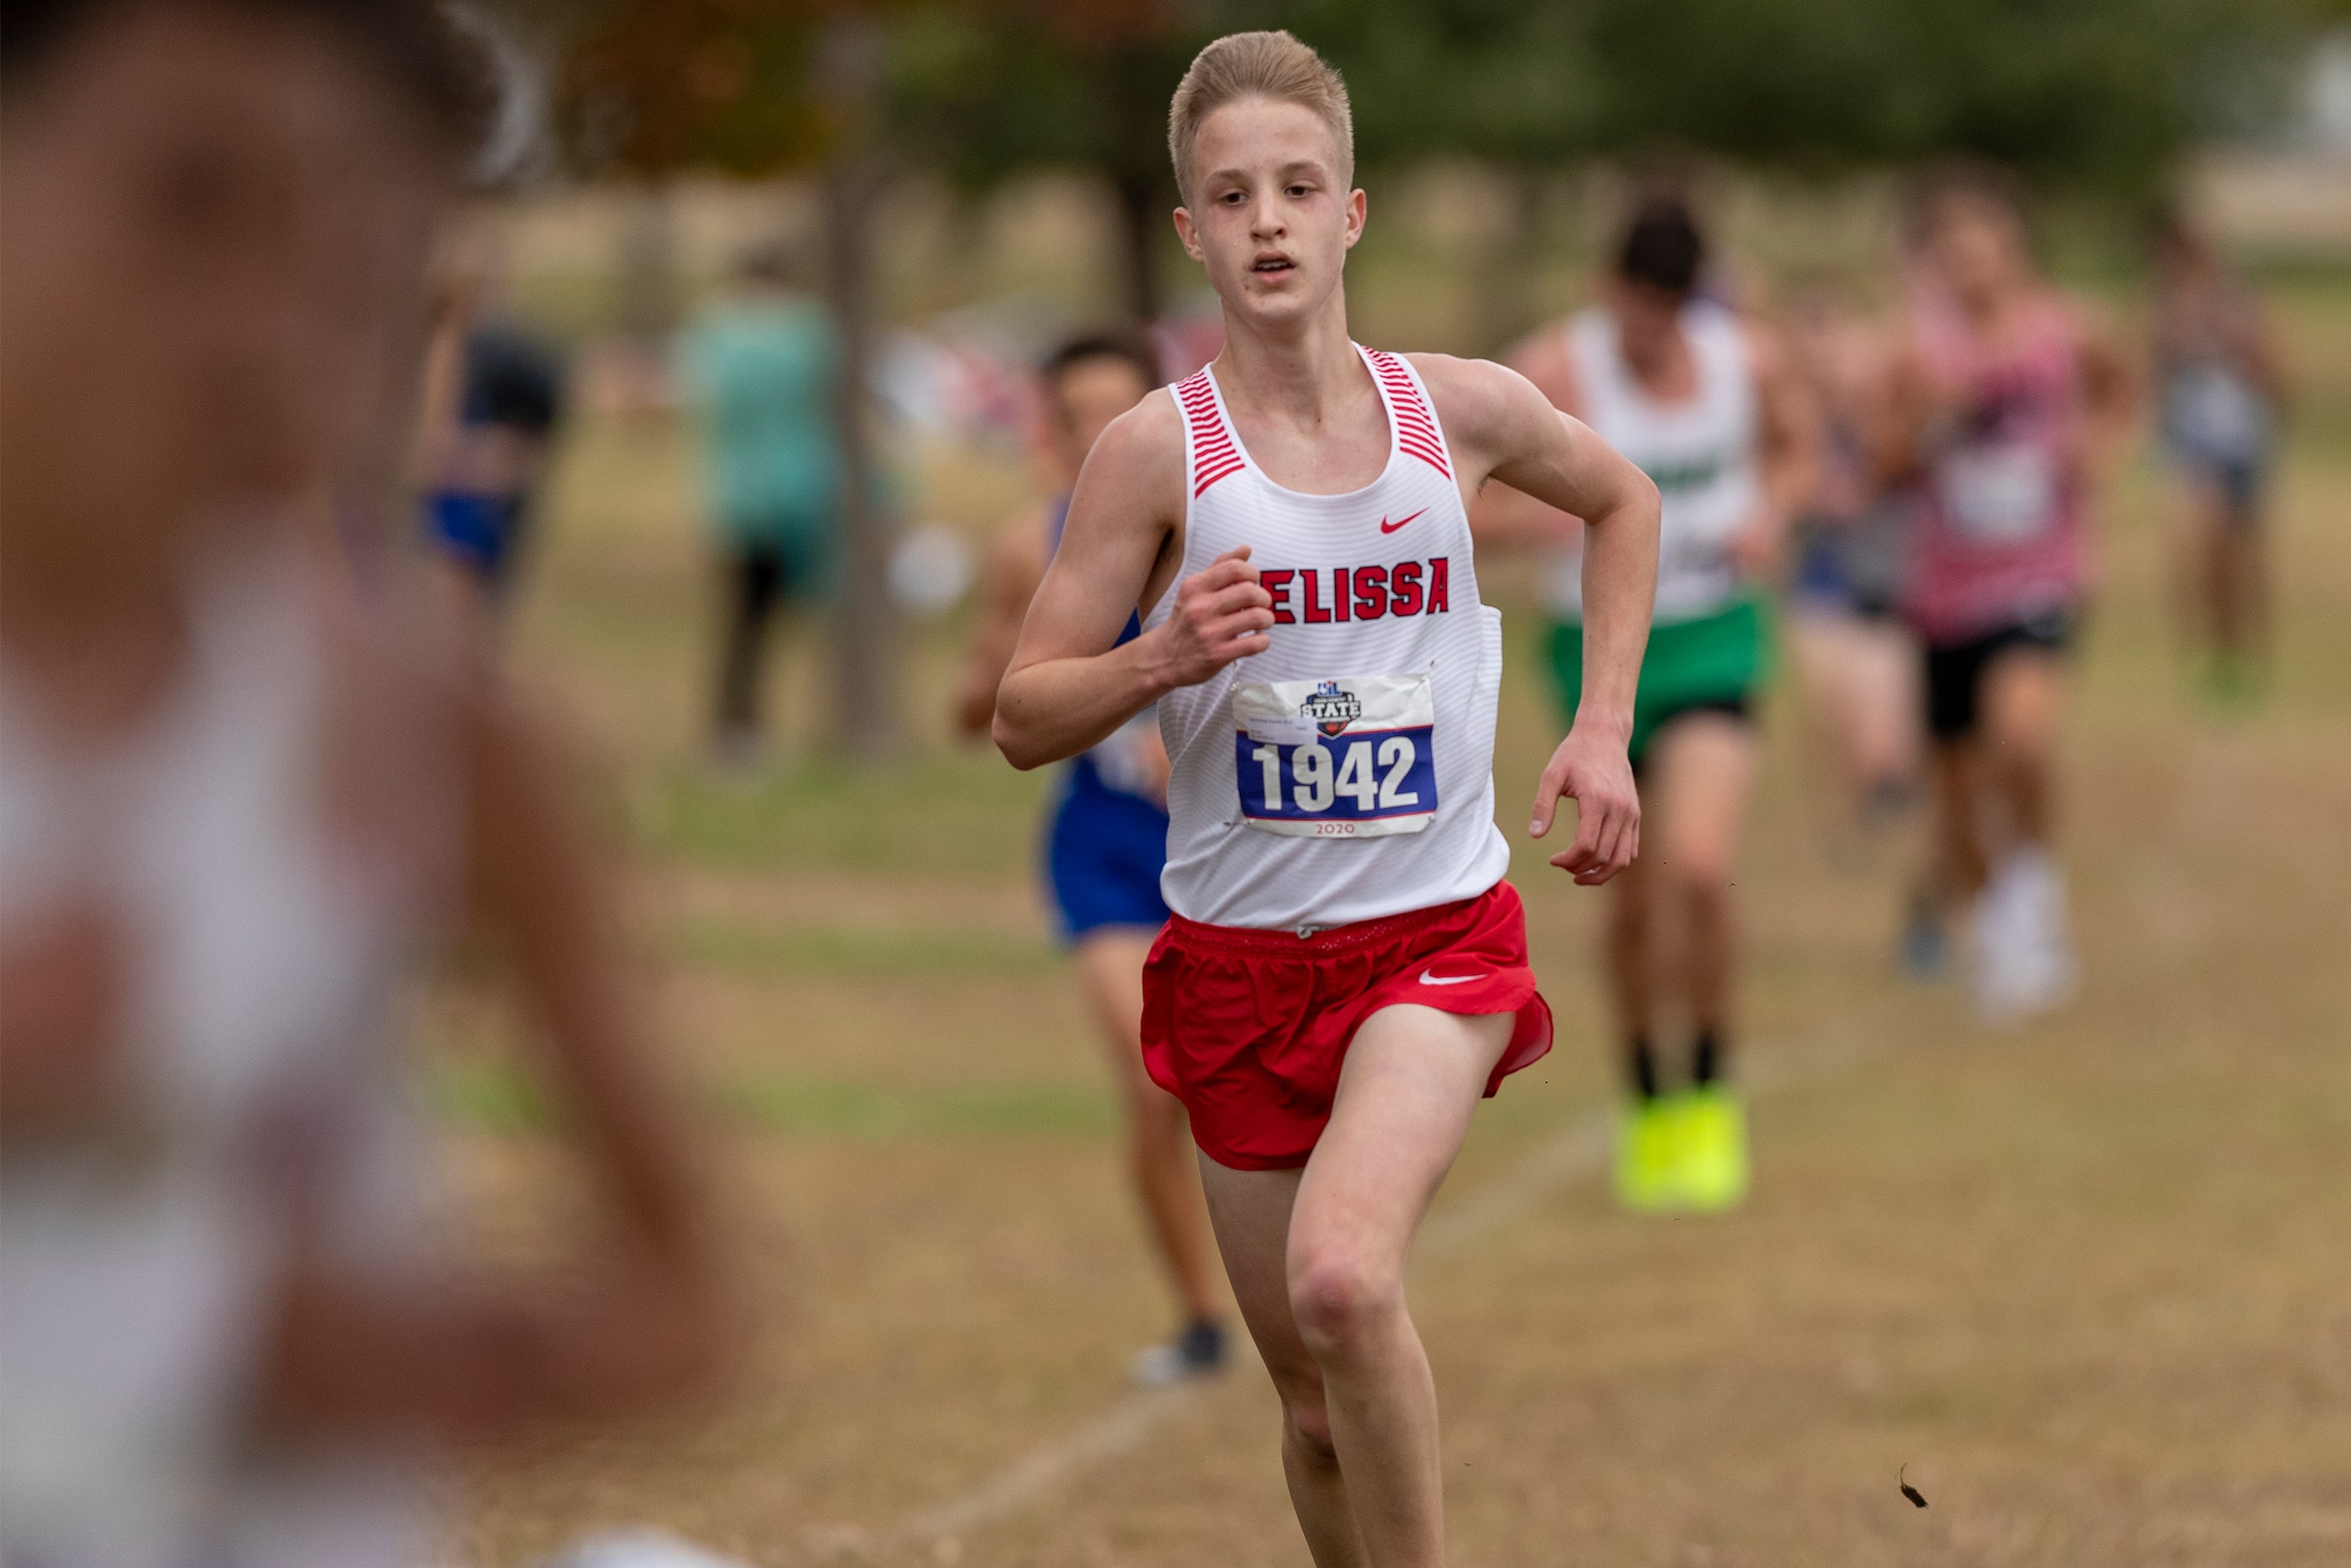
{"type": "Point", "coordinates": [1249, 1027]}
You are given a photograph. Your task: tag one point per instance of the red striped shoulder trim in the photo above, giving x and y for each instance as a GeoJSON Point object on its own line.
{"type": "Point", "coordinates": [1214, 455]}
{"type": "Point", "coordinates": [1415, 423]}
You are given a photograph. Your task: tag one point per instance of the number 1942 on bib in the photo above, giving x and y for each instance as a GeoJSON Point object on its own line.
{"type": "Point", "coordinates": [1351, 758]}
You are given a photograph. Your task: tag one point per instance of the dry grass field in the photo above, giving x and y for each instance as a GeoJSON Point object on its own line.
{"type": "Point", "coordinates": [2090, 1281]}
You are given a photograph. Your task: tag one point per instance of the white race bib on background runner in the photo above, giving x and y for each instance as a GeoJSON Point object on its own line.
{"type": "Point", "coordinates": [2002, 494]}
{"type": "Point", "coordinates": [1351, 758]}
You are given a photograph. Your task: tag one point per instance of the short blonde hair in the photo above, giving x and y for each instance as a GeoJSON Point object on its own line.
{"type": "Point", "coordinates": [1258, 65]}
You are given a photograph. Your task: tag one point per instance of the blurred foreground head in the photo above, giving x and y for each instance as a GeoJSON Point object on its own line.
{"type": "Point", "coordinates": [212, 274]}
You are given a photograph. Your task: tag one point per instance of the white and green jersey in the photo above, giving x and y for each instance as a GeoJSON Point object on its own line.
{"type": "Point", "coordinates": [1699, 451]}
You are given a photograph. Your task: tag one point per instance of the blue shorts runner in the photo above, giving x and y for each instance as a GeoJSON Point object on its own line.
{"type": "Point", "coordinates": [1105, 848]}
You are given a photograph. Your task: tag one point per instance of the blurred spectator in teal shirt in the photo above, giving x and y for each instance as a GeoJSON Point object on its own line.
{"type": "Point", "coordinates": [761, 366]}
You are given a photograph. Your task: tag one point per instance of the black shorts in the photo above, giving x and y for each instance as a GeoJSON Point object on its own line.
{"type": "Point", "coordinates": [1954, 674]}
{"type": "Point", "coordinates": [1737, 708]}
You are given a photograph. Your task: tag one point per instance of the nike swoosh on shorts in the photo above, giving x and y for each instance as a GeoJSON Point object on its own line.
{"type": "Point", "coordinates": [1429, 980]}
{"type": "Point", "coordinates": [1388, 527]}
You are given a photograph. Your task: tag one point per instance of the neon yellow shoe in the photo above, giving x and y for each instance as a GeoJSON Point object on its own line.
{"type": "Point", "coordinates": [1711, 1150]}
{"type": "Point", "coordinates": [1648, 1156]}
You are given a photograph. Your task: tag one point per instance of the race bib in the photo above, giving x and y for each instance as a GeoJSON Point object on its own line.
{"type": "Point", "coordinates": [2005, 494]}
{"type": "Point", "coordinates": [1354, 757]}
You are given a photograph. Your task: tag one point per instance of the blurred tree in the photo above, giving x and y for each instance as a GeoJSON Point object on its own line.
{"type": "Point", "coordinates": [2094, 96]}
{"type": "Point", "coordinates": [2099, 97]}
{"type": "Point", "coordinates": [983, 91]}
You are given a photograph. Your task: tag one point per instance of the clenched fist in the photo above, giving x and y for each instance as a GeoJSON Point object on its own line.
{"type": "Point", "coordinates": [1221, 615]}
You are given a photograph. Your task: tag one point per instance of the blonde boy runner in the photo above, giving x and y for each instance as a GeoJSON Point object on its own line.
{"type": "Point", "coordinates": [1345, 973]}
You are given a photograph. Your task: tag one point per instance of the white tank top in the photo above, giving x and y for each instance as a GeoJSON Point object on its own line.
{"type": "Point", "coordinates": [261, 968]}
{"type": "Point", "coordinates": [1346, 773]}
{"type": "Point", "coordinates": [1699, 451]}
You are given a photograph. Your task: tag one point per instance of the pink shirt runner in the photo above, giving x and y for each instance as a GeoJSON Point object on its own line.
{"type": "Point", "coordinates": [2000, 533]}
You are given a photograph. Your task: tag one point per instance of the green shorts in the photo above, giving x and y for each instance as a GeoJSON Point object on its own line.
{"type": "Point", "coordinates": [1712, 663]}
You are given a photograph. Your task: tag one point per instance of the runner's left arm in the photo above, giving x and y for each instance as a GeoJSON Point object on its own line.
{"type": "Point", "coordinates": [1503, 427]}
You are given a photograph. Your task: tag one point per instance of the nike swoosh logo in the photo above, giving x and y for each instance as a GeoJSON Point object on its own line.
{"type": "Point", "coordinates": [1429, 980]}
{"type": "Point", "coordinates": [1388, 527]}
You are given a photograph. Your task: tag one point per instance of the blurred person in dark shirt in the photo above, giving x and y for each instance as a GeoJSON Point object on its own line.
{"type": "Point", "coordinates": [242, 789]}
{"type": "Point", "coordinates": [761, 368]}
{"type": "Point", "coordinates": [494, 400]}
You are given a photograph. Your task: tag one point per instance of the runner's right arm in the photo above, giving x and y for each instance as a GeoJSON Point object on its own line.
{"type": "Point", "coordinates": [1069, 686]}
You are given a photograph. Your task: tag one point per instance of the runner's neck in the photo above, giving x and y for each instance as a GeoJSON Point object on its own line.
{"type": "Point", "coordinates": [1310, 426]}
{"type": "Point", "coordinates": [1301, 378]}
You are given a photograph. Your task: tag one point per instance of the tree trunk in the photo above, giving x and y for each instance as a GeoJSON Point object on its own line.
{"type": "Point", "coordinates": [865, 635]}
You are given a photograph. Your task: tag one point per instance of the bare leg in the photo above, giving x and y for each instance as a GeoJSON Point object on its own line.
{"type": "Point", "coordinates": [1821, 644]}
{"type": "Point", "coordinates": [2228, 589]}
{"type": "Point", "coordinates": [1631, 963]}
{"type": "Point", "coordinates": [1885, 697]}
{"type": "Point", "coordinates": [1956, 865]}
{"type": "Point", "coordinates": [2023, 699]}
{"type": "Point", "coordinates": [1159, 1135]}
{"type": "Point", "coordinates": [2240, 590]}
{"type": "Point", "coordinates": [2193, 590]}
{"type": "Point", "coordinates": [1252, 1213]}
{"type": "Point", "coordinates": [1704, 766]}
{"type": "Point", "coordinates": [1360, 1409]}
{"type": "Point", "coordinates": [2253, 575]}
{"type": "Point", "coordinates": [1860, 680]}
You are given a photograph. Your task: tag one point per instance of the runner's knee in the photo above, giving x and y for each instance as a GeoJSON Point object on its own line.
{"type": "Point", "coordinates": [1338, 1299]}
{"type": "Point", "coordinates": [1700, 869]}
